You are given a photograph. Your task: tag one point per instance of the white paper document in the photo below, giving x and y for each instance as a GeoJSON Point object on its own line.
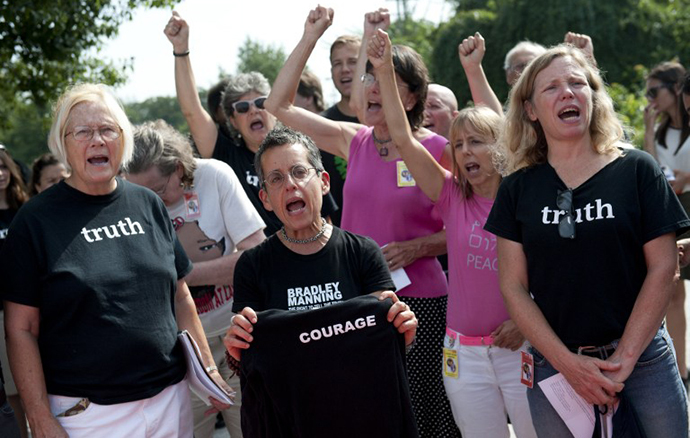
{"type": "Point", "coordinates": [199, 380]}
{"type": "Point", "coordinates": [400, 279]}
{"type": "Point", "coordinates": [577, 414]}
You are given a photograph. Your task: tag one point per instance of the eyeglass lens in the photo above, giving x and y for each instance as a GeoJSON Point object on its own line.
{"type": "Point", "coordinates": [298, 173]}
{"type": "Point", "coordinates": [242, 106]}
{"type": "Point", "coordinates": [566, 226]}
{"type": "Point", "coordinates": [85, 133]}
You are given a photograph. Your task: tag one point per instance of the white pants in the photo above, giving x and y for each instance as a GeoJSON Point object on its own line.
{"type": "Point", "coordinates": [488, 386]}
{"type": "Point", "coordinates": [165, 415]}
{"type": "Point", "coordinates": [204, 424]}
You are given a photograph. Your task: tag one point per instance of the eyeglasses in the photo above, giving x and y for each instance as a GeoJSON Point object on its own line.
{"type": "Point", "coordinates": [242, 106]}
{"type": "Point", "coordinates": [653, 92]}
{"type": "Point", "coordinates": [161, 192]}
{"type": "Point", "coordinates": [566, 226]}
{"type": "Point", "coordinates": [299, 174]}
{"type": "Point", "coordinates": [85, 133]}
{"type": "Point", "coordinates": [518, 68]}
{"type": "Point", "coordinates": [369, 80]}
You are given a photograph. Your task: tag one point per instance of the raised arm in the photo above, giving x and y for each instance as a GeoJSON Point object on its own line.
{"type": "Point", "coordinates": [330, 136]}
{"type": "Point", "coordinates": [583, 373]}
{"type": "Point", "coordinates": [379, 19]}
{"type": "Point", "coordinates": [426, 171]}
{"type": "Point", "coordinates": [201, 125]}
{"type": "Point", "coordinates": [582, 42]}
{"type": "Point", "coordinates": [471, 51]}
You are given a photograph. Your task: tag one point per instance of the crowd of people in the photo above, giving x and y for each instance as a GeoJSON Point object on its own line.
{"type": "Point", "coordinates": [299, 246]}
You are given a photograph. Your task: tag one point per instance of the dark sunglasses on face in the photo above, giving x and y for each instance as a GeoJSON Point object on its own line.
{"type": "Point", "coordinates": [653, 92]}
{"type": "Point", "coordinates": [242, 106]}
{"type": "Point", "coordinates": [566, 226]}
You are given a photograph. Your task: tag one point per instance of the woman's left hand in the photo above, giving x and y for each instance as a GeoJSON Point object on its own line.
{"type": "Point", "coordinates": [217, 404]}
{"type": "Point", "coordinates": [379, 50]}
{"type": "Point", "coordinates": [622, 374]}
{"type": "Point", "coordinates": [507, 335]}
{"type": "Point", "coordinates": [400, 254]}
{"type": "Point", "coordinates": [401, 316]}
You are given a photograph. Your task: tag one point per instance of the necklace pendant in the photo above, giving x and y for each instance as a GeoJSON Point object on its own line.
{"type": "Point", "coordinates": [383, 152]}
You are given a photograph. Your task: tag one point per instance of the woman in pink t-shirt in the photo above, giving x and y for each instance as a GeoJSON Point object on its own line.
{"type": "Point", "coordinates": [481, 363]}
{"type": "Point", "coordinates": [381, 200]}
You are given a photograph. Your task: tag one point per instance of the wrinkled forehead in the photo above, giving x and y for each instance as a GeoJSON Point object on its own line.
{"type": "Point", "coordinates": [89, 113]}
{"type": "Point", "coordinates": [560, 68]}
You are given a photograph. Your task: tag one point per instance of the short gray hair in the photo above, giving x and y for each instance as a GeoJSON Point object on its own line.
{"type": "Point", "coordinates": [159, 144]}
{"type": "Point", "coordinates": [95, 93]}
{"type": "Point", "coordinates": [283, 136]}
{"type": "Point", "coordinates": [523, 46]}
{"type": "Point", "coordinates": [242, 84]}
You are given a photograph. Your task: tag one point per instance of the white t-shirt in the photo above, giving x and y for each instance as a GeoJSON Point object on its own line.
{"type": "Point", "coordinates": [210, 220]}
{"type": "Point", "coordinates": [679, 161]}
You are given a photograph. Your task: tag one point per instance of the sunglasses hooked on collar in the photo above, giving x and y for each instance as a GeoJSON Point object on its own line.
{"type": "Point", "coordinates": [566, 226]}
{"type": "Point", "coordinates": [242, 106]}
{"type": "Point", "coordinates": [653, 92]}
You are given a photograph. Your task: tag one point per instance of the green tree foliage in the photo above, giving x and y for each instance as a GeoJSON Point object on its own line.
{"type": "Point", "coordinates": [46, 46]}
{"type": "Point", "coordinates": [445, 67]}
{"type": "Point", "coordinates": [418, 34]}
{"type": "Point", "coordinates": [27, 139]}
{"type": "Point", "coordinates": [162, 107]}
{"type": "Point", "coordinates": [627, 34]}
{"type": "Point", "coordinates": [265, 59]}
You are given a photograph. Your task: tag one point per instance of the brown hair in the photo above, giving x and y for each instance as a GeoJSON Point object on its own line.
{"type": "Point", "coordinates": [523, 141]}
{"type": "Point", "coordinates": [15, 193]}
{"type": "Point", "coordinates": [671, 74]}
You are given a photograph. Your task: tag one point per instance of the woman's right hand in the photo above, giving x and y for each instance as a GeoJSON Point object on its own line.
{"type": "Point", "coordinates": [379, 50]}
{"type": "Point", "coordinates": [47, 427]}
{"type": "Point", "coordinates": [471, 51]}
{"type": "Point", "coordinates": [318, 21]}
{"type": "Point", "coordinates": [651, 114]}
{"type": "Point", "coordinates": [586, 375]}
{"type": "Point", "coordinates": [239, 335]}
{"type": "Point", "coordinates": [379, 19]}
{"type": "Point", "coordinates": [177, 31]}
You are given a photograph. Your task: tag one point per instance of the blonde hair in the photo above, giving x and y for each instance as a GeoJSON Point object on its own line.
{"type": "Point", "coordinates": [95, 93]}
{"type": "Point", "coordinates": [485, 122]}
{"type": "Point", "coordinates": [523, 141]}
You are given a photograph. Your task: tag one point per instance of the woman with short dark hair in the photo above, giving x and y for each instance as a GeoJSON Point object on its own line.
{"type": "Point", "coordinates": [382, 201]}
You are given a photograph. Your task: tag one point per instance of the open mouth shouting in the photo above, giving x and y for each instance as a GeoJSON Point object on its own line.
{"type": "Point", "coordinates": [295, 205]}
{"type": "Point", "coordinates": [257, 124]}
{"type": "Point", "coordinates": [569, 114]}
{"type": "Point", "coordinates": [98, 160]}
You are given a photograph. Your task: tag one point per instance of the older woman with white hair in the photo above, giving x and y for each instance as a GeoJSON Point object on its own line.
{"type": "Point", "coordinates": [95, 291]}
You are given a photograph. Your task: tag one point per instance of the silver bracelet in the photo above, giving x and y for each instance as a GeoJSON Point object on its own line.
{"type": "Point", "coordinates": [211, 368]}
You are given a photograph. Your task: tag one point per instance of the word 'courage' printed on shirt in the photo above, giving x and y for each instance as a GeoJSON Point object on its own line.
{"type": "Point", "coordinates": [338, 329]}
